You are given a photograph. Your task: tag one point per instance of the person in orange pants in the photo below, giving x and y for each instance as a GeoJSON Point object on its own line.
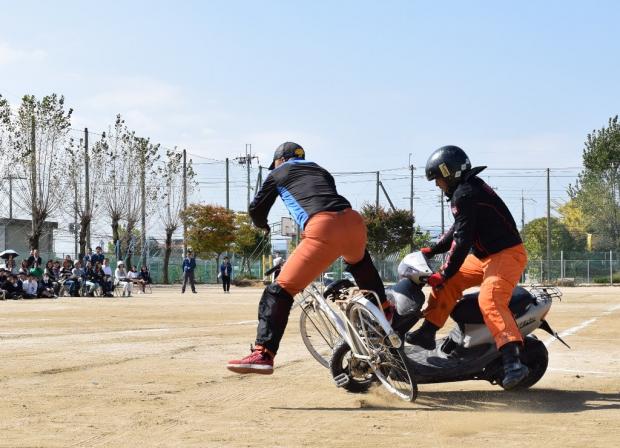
{"type": "Point", "coordinates": [331, 228]}
{"type": "Point", "coordinates": [483, 225]}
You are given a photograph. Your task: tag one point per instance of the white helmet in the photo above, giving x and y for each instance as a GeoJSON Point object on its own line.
{"type": "Point", "coordinates": [415, 267]}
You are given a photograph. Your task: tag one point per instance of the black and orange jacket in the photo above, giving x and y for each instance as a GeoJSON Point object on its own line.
{"type": "Point", "coordinates": [482, 224]}
{"type": "Point", "coordinates": [305, 189]}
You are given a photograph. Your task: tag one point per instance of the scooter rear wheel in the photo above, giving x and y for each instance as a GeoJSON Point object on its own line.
{"type": "Point", "coordinates": [536, 357]}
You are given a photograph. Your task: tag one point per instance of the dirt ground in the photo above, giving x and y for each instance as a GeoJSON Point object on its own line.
{"type": "Point", "coordinates": [149, 371]}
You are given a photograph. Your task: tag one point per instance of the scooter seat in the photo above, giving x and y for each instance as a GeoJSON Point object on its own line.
{"type": "Point", "coordinates": [467, 310]}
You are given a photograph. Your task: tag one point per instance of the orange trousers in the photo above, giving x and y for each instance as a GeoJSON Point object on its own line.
{"type": "Point", "coordinates": [327, 236]}
{"type": "Point", "coordinates": [497, 276]}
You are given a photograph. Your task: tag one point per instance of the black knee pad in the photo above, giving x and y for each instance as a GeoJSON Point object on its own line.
{"type": "Point", "coordinates": [273, 311]}
{"type": "Point", "coordinates": [366, 276]}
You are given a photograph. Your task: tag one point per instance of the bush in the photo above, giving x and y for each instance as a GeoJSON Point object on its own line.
{"type": "Point", "coordinates": [246, 280]}
{"type": "Point", "coordinates": [605, 279]}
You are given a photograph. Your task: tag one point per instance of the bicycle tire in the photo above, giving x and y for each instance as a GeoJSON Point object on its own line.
{"type": "Point", "coordinates": [391, 366]}
{"type": "Point", "coordinates": [318, 333]}
{"type": "Point", "coordinates": [360, 374]}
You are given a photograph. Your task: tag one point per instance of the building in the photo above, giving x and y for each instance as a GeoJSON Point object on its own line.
{"type": "Point", "coordinates": [14, 235]}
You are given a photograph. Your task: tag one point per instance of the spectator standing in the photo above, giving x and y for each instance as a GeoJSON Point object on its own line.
{"type": "Point", "coordinates": [189, 265]}
{"type": "Point", "coordinates": [98, 256]}
{"type": "Point", "coordinates": [226, 273]}
{"type": "Point", "coordinates": [88, 257]}
{"type": "Point", "coordinates": [34, 260]}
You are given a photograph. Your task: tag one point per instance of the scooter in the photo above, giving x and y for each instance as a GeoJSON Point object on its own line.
{"type": "Point", "coordinates": [468, 352]}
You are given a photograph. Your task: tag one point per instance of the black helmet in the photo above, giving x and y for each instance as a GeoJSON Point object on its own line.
{"type": "Point", "coordinates": [288, 150]}
{"type": "Point", "coordinates": [449, 163]}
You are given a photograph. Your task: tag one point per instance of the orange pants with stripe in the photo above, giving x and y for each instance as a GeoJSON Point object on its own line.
{"type": "Point", "coordinates": [497, 276]}
{"type": "Point", "coordinates": [327, 236]}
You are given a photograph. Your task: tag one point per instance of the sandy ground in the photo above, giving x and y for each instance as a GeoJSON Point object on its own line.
{"type": "Point", "coordinates": [149, 371]}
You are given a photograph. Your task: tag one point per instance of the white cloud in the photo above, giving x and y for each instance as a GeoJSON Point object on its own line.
{"type": "Point", "coordinates": [127, 93]}
{"type": "Point", "coordinates": [12, 55]}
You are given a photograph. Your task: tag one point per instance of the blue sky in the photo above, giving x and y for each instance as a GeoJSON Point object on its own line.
{"type": "Point", "coordinates": [359, 84]}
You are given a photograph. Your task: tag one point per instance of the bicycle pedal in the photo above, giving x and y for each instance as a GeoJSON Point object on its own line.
{"type": "Point", "coordinates": [342, 380]}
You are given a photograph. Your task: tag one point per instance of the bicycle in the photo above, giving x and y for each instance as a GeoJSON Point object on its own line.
{"type": "Point", "coordinates": [363, 345]}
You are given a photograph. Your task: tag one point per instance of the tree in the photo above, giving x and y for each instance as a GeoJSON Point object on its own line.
{"type": "Point", "coordinates": [388, 231]}
{"type": "Point", "coordinates": [171, 175]}
{"type": "Point", "coordinates": [38, 136]}
{"type": "Point", "coordinates": [85, 205]}
{"type": "Point", "coordinates": [597, 191]}
{"type": "Point", "coordinates": [210, 229]}
{"type": "Point", "coordinates": [116, 145]}
{"type": "Point", "coordinates": [535, 238]}
{"type": "Point", "coordinates": [250, 241]}
{"type": "Point", "coordinates": [574, 220]}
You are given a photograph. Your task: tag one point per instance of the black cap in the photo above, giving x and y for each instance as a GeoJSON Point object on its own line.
{"type": "Point", "coordinates": [288, 150]}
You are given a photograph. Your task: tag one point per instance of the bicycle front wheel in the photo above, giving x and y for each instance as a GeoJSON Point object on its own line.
{"type": "Point", "coordinates": [389, 363]}
{"type": "Point", "coordinates": [318, 333]}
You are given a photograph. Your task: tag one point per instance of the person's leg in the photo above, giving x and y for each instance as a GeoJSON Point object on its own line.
{"type": "Point", "coordinates": [502, 274]}
{"type": "Point", "coordinates": [185, 275]}
{"type": "Point", "coordinates": [315, 253]}
{"type": "Point", "coordinates": [191, 281]}
{"type": "Point", "coordinates": [442, 300]}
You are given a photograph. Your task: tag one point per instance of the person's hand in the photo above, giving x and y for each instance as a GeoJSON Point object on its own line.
{"type": "Point", "coordinates": [436, 280]}
{"type": "Point", "coordinates": [426, 251]}
{"type": "Point", "coordinates": [267, 229]}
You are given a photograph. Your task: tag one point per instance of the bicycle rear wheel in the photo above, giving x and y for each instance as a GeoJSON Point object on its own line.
{"type": "Point", "coordinates": [389, 363]}
{"type": "Point", "coordinates": [318, 332]}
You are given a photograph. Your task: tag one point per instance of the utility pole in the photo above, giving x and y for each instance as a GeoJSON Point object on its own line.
{"type": "Point", "coordinates": [87, 187]}
{"type": "Point", "coordinates": [184, 201]}
{"type": "Point", "coordinates": [33, 183]}
{"type": "Point", "coordinates": [377, 197]}
{"type": "Point", "coordinates": [75, 220]}
{"type": "Point", "coordinates": [247, 161]}
{"type": "Point", "coordinates": [522, 212]}
{"type": "Point", "coordinates": [387, 196]}
{"type": "Point", "coordinates": [227, 185]}
{"type": "Point", "coordinates": [548, 224]}
{"type": "Point", "coordinates": [11, 178]}
{"type": "Point", "coordinates": [145, 148]}
{"type": "Point", "coordinates": [411, 168]}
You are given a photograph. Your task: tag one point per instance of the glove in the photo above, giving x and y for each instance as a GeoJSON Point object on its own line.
{"type": "Point", "coordinates": [267, 229]}
{"type": "Point", "coordinates": [426, 251]}
{"type": "Point", "coordinates": [436, 280]}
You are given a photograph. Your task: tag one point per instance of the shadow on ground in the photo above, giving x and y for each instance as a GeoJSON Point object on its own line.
{"type": "Point", "coordinates": [531, 401]}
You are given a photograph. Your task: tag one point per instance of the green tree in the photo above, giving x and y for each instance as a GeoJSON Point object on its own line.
{"type": "Point", "coordinates": [250, 241]}
{"type": "Point", "coordinates": [574, 220]}
{"type": "Point", "coordinates": [388, 231]}
{"type": "Point", "coordinates": [597, 191]}
{"type": "Point", "coordinates": [210, 229]}
{"type": "Point", "coordinates": [535, 238]}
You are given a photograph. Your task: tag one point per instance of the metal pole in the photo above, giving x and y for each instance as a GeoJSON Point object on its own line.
{"type": "Point", "coordinates": [227, 186]}
{"type": "Point", "coordinates": [184, 201]}
{"type": "Point", "coordinates": [548, 224]}
{"type": "Point", "coordinates": [588, 271]}
{"type": "Point", "coordinates": [377, 197]}
{"type": "Point", "coordinates": [248, 160]}
{"type": "Point", "coordinates": [143, 200]}
{"type": "Point", "coordinates": [522, 212]}
{"type": "Point", "coordinates": [86, 187]}
{"type": "Point", "coordinates": [411, 192]}
{"type": "Point", "coordinates": [443, 223]}
{"type": "Point", "coordinates": [387, 196]}
{"type": "Point", "coordinates": [562, 264]}
{"type": "Point", "coordinates": [611, 268]}
{"type": "Point", "coordinates": [10, 197]}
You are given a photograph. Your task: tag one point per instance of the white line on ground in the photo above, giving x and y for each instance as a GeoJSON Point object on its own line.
{"type": "Point", "coordinates": [243, 322]}
{"type": "Point", "coordinates": [592, 372]}
{"type": "Point", "coordinates": [581, 326]}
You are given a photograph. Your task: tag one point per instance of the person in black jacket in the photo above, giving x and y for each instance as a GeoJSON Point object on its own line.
{"type": "Point", "coordinates": [331, 228]}
{"type": "Point", "coordinates": [483, 226]}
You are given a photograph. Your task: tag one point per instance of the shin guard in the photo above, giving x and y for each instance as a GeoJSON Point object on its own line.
{"type": "Point", "coordinates": [273, 310]}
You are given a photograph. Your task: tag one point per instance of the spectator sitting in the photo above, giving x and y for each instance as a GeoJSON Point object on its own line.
{"type": "Point", "coordinates": [88, 257]}
{"type": "Point", "coordinates": [78, 277]}
{"type": "Point", "coordinates": [90, 279]}
{"type": "Point", "coordinates": [24, 268]}
{"type": "Point", "coordinates": [30, 286]}
{"type": "Point", "coordinates": [46, 287]}
{"type": "Point", "coordinates": [107, 284]}
{"type": "Point", "coordinates": [65, 275]}
{"type": "Point", "coordinates": [145, 276]}
{"type": "Point", "coordinates": [13, 287]}
{"type": "Point", "coordinates": [120, 276]}
{"type": "Point", "coordinates": [133, 275]}
{"type": "Point", "coordinates": [9, 265]}
{"type": "Point", "coordinates": [68, 258]}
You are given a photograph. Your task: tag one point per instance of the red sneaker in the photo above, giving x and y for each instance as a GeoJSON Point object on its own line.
{"type": "Point", "coordinates": [259, 361]}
